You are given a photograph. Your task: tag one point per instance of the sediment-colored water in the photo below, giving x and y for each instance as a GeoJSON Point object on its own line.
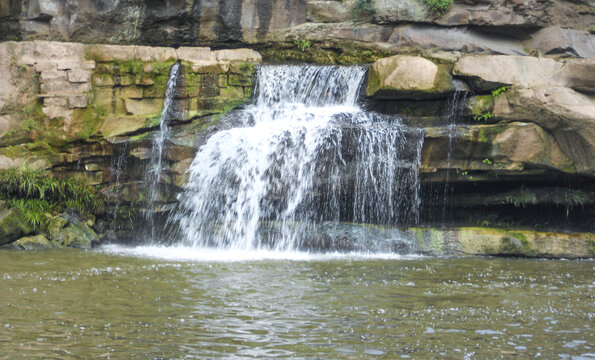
{"type": "Point", "coordinates": [179, 303]}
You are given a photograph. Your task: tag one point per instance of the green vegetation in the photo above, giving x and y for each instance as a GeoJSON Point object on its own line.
{"type": "Point", "coordinates": [362, 7]}
{"type": "Point", "coordinates": [484, 116]}
{"type": "Point", "coordinates": [302, 44]}
{"type": "Point", "coordinates": [498, 91]}
{"type": "Point", "coordinates": [39, 196]}
{"type": "Point", "coordinates": [521, 197]}
{"type": "Point", "coordinates": [438, 7]}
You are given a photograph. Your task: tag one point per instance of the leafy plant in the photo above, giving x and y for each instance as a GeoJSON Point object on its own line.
{"type": "Point", "coordinates": [487, 161]}
{"type": "Point", "coordinates": [366, 53]}
{"type": "Point", "coordinates": [484, 116]}
{"type": "Point", "coordinates": [362, 6]}
{"type": "Point", "coordinates": [37, 194]}
{"type": "Point", "coordinates": [302, 44]}
{"type": "Point", "coordinates": [498, 91]}
{"type": "Point", "coordinates": [523, 197]}
{"type": "Point", "coordinates": [439, 7]}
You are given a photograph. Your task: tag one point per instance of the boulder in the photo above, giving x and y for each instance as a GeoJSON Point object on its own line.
{"type": "Point", "coordinates": [37, 242]}
{"type": "Point", "coordinates": [510, 148]}
{"type": "Point", "coordinates": [418, 36]}
{"type": "Point", "coordinates": [324, 11]}
{"type": "Point", "coordinates": [578, 74]}
{"type": "Point", "coordinates": [12, 226]}
{"type": "Point", "coordinates": [407, 77]}
{"type": "Point", "coordinates": [569, 116]}
{"type": "Point", "coordinates": [492, 241]}
{"type": "Point", "coordinates": [77, 235]}
{"type": "Point", "coordinates": [487, 72]}
{"type": "Point", "coordinates": [555, 40]}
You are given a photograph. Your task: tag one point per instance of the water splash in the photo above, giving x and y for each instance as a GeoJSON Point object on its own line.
{"type": "Point", "coordinates": [155, 170]}
{"type": "Point", "coordinates": [306, 153]}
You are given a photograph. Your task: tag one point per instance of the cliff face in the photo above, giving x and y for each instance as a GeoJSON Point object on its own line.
{"type": "Point", "coordinates": [504, 91]}
{"type": "Point", "coordinates": [485, 26]}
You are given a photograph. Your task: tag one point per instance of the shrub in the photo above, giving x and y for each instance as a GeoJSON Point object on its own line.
{"type": "Point", "coordinates": [37, 194]}
{"type": "Point", "coordinates": [439, 7]}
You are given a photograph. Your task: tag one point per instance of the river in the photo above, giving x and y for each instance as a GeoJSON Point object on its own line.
{"type": "Point", "coordinates": [182, 303]}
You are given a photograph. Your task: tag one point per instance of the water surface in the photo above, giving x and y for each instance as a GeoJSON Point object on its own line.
{"type": "Point", "coordinates": [177, 303]}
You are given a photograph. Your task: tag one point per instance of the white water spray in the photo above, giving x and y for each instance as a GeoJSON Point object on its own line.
{"type": "Point", "coordinates": [306, 153]}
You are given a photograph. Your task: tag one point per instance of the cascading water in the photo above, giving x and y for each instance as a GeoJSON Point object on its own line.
{"type": "Point", "coordinates": [154, 172]}
{"type": "Point", "coordinates": [306, 153]}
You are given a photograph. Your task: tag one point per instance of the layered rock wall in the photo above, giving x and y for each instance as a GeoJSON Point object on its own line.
{"type": "Point", "coordinates": [485, 26]}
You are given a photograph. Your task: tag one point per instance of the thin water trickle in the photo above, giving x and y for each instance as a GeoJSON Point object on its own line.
{"type": "Point", "coordinates": [154, 172]}
{"type": "Point", "coordinates": [118, 162]}
{"type": "Point", "coordinates": [454, 113]}
{"type": "Point", "coordinates": [306, 153]}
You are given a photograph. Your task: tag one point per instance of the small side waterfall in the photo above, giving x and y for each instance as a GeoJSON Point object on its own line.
{"type": "Point", "coordinates": [117, 163]}
{"type": "Point", "coordinates": [155, 170]}
{"type": "Point", "coordinates": [306, 153]}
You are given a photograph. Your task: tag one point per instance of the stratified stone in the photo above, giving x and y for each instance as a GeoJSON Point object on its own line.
{"type": "Point", "coordinates": [37, 242]}
{"type": "Point", "coordinates": [407, 77]}
{"type": "Point", "coordinates": [487, 72]}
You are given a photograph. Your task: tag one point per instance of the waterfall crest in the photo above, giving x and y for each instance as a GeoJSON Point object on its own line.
{"type": "Point", "coordinates": [306, 153]}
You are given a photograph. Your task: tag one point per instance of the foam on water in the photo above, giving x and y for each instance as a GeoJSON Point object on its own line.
{"type": "Point", "coordinates": [193, 254]}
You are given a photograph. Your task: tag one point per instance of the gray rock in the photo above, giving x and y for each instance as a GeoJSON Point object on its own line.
{"type": "Point", "coordinates": [12, 226]}
{"type": "Point", "coordinates": [37, 242]}
{"type": "Point", "coordinates": [555, 40]}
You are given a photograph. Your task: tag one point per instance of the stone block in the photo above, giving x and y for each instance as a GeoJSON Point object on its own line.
{"type": "Point", "coordinates": [53, 75]}
{"type": "Point", "coordinates": [196, 54]}
{"type": "Point", "coordinates": [239, 55]}
{"type": "Point", "coordinates": [55, 101]}
{"type": "Point", "coordinates": [79, 76]}
{"type": "Point", "coordinates": [105, 53]}
{"type": "Point", "coordinates": [210, 67]}
{"type": "Point", "coordinates": [132, 92]}
{"type": "Point", "coordinates": [78, 101]}
{"type": "Point", "coordinates": [148, 53]}
{"type": "Point", "coordinates": [103, 80]}
{"type": "Point", "coordinates": [64, 87]}
{"type": "Point", "coordinates": [144, 107]}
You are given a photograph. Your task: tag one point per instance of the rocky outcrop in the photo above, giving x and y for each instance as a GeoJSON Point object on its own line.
{"type": "Point", "coordinates": [12, 225]}
{"type": "Point", "coordinates": [76, 109]}
{"type": "Point", "coordinates": [490, 241]}
{"type": "Point", "coordinates": [408, 77]}
{"type": "Point", "coordinates": [493, 26]}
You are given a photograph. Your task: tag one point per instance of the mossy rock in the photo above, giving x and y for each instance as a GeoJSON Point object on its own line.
{"type": "Point", "coordinates": [12, 226]}
{"type": "Point", "coordinates": [37, 242]}
{"type": "Point", "coordinates": [501, 242]}
{"type": "Point", "coordinates": [77, 235]}
{"type": "Point", "coordinates": [408, 77]}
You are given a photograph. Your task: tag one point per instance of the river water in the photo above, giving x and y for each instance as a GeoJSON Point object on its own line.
{"type": "Point", "coordinates": [180, 303]}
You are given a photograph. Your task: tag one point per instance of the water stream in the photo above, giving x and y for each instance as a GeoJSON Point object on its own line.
{"type": "Point", "coordinates": [305, 153]}
{"type": "Point", "coordinates": [155, 169]}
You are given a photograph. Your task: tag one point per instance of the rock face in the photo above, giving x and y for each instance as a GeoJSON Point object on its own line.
{"type": "Point", "coordinates": [90, 112]}
{"type": "Point", "coordinates": [12, 226]}
{"type": "Point", "coordinates": [491, 26]}
{"type": "Point", "coordinates": [402, 77]}
{"type": "Point", "coordinates": [487, 241]}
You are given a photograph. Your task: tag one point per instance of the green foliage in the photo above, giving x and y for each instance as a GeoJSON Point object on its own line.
{"type": "Point", "coordinates": [484, 116]}
{"type": "Point", "coordinates": [522, 197]}
{"type": "Point", "coordinates": [302, 44]}
{"type": "Point", "coordinates": [38, 194]}
{"type": "Point", "coordinates": [439, 7]}
{"type": "Point", "coordinates": [362, 7]}
{"type": "Point", "coordinates": [487, 161]}
{"type": "Point", "coordinates": [366, 53]}
{"type": "Point", "coordinates": [498, 91]}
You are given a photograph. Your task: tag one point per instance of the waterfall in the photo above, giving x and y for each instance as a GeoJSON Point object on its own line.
{"type": "Point", "coordinates": [305, 153]}
{"type": "Point", "coordinates": [154, 172]}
